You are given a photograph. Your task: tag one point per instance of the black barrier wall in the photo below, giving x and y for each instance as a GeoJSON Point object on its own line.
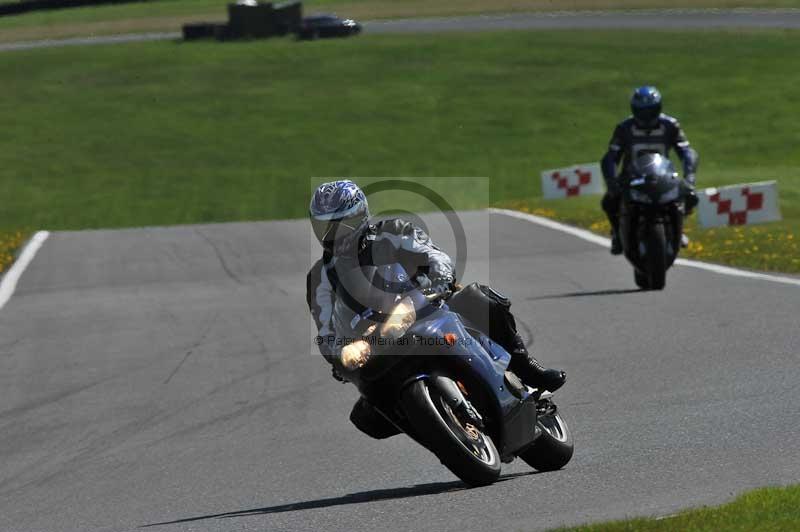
{"type": "Point", "coordinates": [18, 8]}
{"type": "Point", "coordinates": [250, 22]}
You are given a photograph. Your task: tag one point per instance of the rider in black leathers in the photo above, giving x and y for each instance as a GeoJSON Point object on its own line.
{"type": "Point", "coordinates": [648, 130]}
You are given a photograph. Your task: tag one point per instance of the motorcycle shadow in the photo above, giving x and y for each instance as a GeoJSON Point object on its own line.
{"type": "Point", "coordinates": [432, 488]}
{"type": "Point", "coordinates": [587, 294]}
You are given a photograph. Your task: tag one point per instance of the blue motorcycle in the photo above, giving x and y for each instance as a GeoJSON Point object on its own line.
{"type": "Point", "coordinates": [439, 379]}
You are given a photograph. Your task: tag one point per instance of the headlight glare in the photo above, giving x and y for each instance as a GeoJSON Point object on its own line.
{"type": "Point", "coordinates": [402, 317]}
{"type": "Point", "coordinates": [355, 355]}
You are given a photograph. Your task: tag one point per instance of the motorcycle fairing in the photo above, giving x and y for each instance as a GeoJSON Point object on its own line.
{"type": "Point", "coordinates": [473, 357]}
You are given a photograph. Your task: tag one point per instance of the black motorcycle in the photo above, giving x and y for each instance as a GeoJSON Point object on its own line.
{"type": "Point", "coordinates": [651, 219]}
{"type": "Point", "coordinates": [439, 379]}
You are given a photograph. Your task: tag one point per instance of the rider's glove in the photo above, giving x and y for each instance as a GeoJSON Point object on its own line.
{"type": "Point", "coordinates": [690, 197]}
{"type": "Point", "coordinates": [422, 281]}
{"type": "Point", "coordinates": [440, 290]}
{"type": "Point", "coordinates": [690, 179]}
{"type": "Point", "coordinates": [434, 289]}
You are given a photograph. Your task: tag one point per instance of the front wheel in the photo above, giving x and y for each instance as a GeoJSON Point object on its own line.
{"type": "Point", "coordinates": [554, 446]}
{"type": "Point", "coordinates": [657, 258]}
{"type": "Point", "coordinates": [463, 448]}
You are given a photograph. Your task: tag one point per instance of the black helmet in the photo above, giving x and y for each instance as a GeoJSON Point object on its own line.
{"type": "Point", "coordinates": [653, 165]}
{"type": "Point", "coordinates": [646, 106]}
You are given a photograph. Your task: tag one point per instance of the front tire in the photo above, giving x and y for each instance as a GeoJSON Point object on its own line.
{"type": "Point", "coordinates": [553, 448]}
{"type": "Point", "coordinates": [657, 258]}
{"type": "Point", "coordinates": [465, 450]}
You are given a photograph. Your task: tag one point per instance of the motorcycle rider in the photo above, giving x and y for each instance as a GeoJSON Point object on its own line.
{"type": "Point", "coordinates": [648, 130]}
{"type": "Point", "coordinates": [340, 219]}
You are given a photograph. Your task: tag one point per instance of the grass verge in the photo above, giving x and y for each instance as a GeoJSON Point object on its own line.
{"type": "Point", "coordinates": [169, 15]}
{"type": "Point", "coordinates": [166, 133]}
{"type": "Point", "coordinates": [10, 241]}
{"type": "Point", "coordinates": [765, 510]}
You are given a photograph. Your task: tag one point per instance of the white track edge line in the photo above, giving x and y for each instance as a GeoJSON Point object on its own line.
{"type": "Point", "coordinates": [10, 279]}
{"type": "Point", "coordinates": [603, 241]}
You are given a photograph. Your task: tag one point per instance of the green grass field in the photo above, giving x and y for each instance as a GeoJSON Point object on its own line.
{"type": "Point", "coordinates": [764, 510]}
{"type": "Point", "coordinates": [167, 133]}
{"type": "Point", "coordinates": [169, 15]}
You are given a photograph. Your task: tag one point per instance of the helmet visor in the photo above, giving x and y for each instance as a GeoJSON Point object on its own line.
{"type": "Point", "coordinates": [647, 115]}
{"type": "Point", "coordinates": [329, 231]}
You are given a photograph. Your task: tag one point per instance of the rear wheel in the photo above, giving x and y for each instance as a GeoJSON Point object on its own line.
{"type": "Point", "coordinates": [657, 258]}
{"type": "Point", "coordinates": [554, 446]}
{"type": "Point", "coordinates": [463, 448]}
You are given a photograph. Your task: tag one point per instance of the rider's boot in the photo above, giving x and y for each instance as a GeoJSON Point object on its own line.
{"type": "Point", "coordinates": [616, 242]}
{"type": "Point", "coordinates": [532, 373]}
{"type": "Point", "coordinates": [684, 241]}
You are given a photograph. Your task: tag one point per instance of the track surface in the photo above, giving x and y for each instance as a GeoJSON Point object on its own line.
{"type": "Point", "coordinates": [678, 19]}
{"type": "Point", "coordinates": [158, 375]}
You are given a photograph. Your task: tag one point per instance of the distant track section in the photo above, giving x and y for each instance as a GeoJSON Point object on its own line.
{"type": "Point", "coordinates": [81, 41]}
{"type": "Point", "coordinates": [674, 19]}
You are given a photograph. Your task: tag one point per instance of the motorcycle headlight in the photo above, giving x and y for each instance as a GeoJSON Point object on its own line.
{"type": "Point", "coordinates": [402, 317]}
{"type": "Point", "coordinates": [355, 355]}
{"type": "Point", "coordinates": [640, 197]}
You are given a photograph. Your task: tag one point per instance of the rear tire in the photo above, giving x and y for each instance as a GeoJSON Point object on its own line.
{"type": "Point", "coordinates": [657, 258]}
{"type": "Point", "coordinates": [553, 448]}
{"type": "Point", "coordinates": [469, 454]}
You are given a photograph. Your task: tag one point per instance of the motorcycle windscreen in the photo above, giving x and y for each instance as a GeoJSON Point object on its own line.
{"type": "Point", "coordinates": [365, 293]}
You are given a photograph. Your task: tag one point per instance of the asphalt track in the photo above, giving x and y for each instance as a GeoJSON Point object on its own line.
{"type": "Point", "coordinates": [166, 375]}
{"type": "Point", "coordinates": [674, 19]}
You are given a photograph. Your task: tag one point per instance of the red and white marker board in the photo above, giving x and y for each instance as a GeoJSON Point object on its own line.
{"type": "Point", "coordinates": [578, 180]}
{"type": "Point", "coordinates": [753, 203]}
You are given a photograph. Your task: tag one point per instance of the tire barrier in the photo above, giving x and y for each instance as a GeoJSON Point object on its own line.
{"type": "Point", "coordinates": [745, 204]}
{"type": "Point", "coordinates": [578, 180]}
{"type": "Point", "coordinates": [205, 30]}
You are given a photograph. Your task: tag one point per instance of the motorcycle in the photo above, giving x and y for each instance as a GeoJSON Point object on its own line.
{"type": "Point", "coordinates": [651, 225]}
{"type": "Point", "coordinates": [440, 380]}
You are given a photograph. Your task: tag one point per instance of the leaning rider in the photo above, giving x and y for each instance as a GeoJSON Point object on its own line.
{"type": "Point", "coordinates": [341, 222]}
{"type": "Point", "coordinates": [648, 130]}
